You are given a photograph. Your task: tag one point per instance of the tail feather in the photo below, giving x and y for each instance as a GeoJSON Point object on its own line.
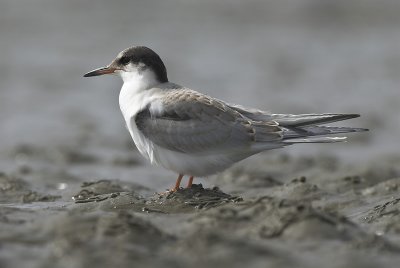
{"type": "Point", "coordinates": [304, 128]}
{"type": "Point", "coordinates": [297, 132]}
{"type": "Point", "coordinates": [315, 140]}
{"type": "Point", "coordinates": [300, 128]}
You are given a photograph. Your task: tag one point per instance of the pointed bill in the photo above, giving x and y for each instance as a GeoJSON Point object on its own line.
{"type": "Point", "coordinates": [101, 71]}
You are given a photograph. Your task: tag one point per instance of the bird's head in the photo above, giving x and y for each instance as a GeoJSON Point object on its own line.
{"type": "Point", "coordinates": [133, 62]}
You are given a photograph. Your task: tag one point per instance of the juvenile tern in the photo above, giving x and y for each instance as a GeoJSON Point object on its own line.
{"type": "Point", "coordinates": [197, 135]}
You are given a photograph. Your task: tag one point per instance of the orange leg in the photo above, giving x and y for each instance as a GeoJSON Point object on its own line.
{"type": "Point", "coordinates": [177, 183]}
{"type": "Point", "coordinates": [190, 182]}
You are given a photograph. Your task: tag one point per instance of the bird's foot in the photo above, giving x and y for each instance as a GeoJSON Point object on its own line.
{"type": "Point", "coordinates": [177, 185]}
{"type": "Point", "coordinates": [190, 182]}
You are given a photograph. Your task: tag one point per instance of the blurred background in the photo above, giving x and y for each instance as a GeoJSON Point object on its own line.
{"type": "Point", "coordinates": [299, 56]}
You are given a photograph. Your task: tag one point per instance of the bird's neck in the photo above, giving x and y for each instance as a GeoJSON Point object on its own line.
{"type": "Point", "coordinates": [139, 80]}
{"type": "Point", "coordinates": [136, 92]}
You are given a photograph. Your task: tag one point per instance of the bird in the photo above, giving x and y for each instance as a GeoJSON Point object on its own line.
{"type": "Point", "coordinates": [194, 134]}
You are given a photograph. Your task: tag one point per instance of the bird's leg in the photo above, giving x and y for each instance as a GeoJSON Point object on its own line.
{"type": "Point", "coordinates": [190, 182]}
{"type": "Point", "coordinates": [177, 183]}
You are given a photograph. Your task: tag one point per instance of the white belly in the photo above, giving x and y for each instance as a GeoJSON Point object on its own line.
{"type": "Point", "coordinates": [182, 163]}
{"type": "Point", "coordinates": [194, 165]}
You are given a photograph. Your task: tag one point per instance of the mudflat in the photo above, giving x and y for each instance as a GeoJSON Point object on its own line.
{"type": "Point", "coordinates": [271, 211]}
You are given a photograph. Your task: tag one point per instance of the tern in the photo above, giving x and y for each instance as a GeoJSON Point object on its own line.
{"type": "Point", "coordinates": [197, 135]}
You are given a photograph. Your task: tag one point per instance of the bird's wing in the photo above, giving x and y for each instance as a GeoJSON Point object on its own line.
{"type": "Point", "coordinates": [191, 122]}
{"type": "Point", "coordinates": [251, 113]}
{"type": "Point", "coordinates": [301, 128]}
{"type": "Point", "coordinates": [291, 120]}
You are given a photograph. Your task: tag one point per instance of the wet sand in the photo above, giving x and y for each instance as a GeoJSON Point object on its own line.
{"type": "Point", "coordinates": [272, 211]}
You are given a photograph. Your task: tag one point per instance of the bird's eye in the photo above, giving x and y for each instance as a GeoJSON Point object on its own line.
{"type": "Point", "coordinates": [124, 60]}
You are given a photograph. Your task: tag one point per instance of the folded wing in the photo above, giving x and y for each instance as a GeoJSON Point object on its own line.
{"type": "Point", "coordinates": [302, 128]}
{"type": "Point", "coordinates": [191, 122]}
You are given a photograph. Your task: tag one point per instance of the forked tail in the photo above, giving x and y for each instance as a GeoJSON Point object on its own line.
{"type": "Point", "coordinates": [306, 129]}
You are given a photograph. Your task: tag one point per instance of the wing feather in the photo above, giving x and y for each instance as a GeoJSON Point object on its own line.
{"type": "Point", "coordinates": [292, 120]}
{"type": "Point", "coordinates": [191, 122]}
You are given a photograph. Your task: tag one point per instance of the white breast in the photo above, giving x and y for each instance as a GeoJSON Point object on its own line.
{"type": "Point", "coordinates": [136, 94]}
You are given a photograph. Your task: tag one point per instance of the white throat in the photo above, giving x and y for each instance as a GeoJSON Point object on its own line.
{"type": "Point", "coordinates": [138, 79]}
{"type": "Point", "coordinates": [135, 93]}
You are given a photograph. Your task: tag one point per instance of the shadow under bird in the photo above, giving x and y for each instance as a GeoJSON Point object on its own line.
{"type": "Point", "coordinates": [197, 135]}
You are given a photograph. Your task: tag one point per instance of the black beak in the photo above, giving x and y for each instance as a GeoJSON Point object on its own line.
{"type": "Point", "coordinates": [101, 71]}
